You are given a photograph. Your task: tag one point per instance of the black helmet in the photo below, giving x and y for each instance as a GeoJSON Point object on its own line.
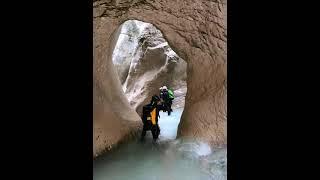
{"type": "Point", "coordinates": [155, 99]}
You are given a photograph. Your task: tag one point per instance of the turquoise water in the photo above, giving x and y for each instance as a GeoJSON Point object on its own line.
{"type": "Point", "coordinates": [166, 159]}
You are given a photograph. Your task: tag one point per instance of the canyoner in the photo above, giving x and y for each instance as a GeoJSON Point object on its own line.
{"type": "Point", "coordinates": [167, 96]}
{"type": "Point", "coordinates": [150, 117]}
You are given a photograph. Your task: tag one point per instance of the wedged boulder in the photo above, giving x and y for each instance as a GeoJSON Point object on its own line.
{"type": "Point", "coordinates": [154, 64]}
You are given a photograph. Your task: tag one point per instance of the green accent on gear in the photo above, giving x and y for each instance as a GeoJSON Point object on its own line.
{"type": "Point", "coordinates": [171, 94]}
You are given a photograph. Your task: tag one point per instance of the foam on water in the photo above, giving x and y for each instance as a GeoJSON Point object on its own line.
{"type": "Point", "coordinates": [167, 159]}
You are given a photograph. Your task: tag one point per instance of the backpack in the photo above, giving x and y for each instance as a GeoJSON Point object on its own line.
{"type": "Point", "coordinates": [149, 113]}
{"type": "Point", "coordinates": [171, 94]}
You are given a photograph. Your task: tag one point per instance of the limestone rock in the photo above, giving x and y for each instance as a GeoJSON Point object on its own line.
{"type": "Point", "coordinates": [196, 30]}
{"type": "Point", "coordinates": [153, 65]}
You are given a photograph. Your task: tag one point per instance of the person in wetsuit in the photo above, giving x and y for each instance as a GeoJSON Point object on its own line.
{"type": "Point", "coordinates": [150, 114]}
{"type": "Point", "coordinates": [167, 98]}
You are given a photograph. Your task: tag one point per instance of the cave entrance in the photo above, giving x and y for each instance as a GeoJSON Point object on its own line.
{"type": "Point", "coordinates": [145, 62]}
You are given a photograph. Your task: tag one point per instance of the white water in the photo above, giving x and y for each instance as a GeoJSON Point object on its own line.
{"type": "Point", "coordinates": [167, 159]}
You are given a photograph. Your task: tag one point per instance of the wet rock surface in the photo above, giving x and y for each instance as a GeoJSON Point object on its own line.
{"type": "Point", "coordinates": [197, 32]}
{"type": "Point", "coordinates": [149, 63]}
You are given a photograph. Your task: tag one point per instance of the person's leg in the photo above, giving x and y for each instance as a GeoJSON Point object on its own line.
{"type": "Point", "coordinates": [164, 109]}
{"type": "Point", "coordinates": [167, 107]}
{"type": "Point", "coordinates": [144, 131]}
{"type": "Point", "coordinates": [158, 129]}
{"type": "Point", "coordinates": [169, 104]}
{"type": "Point", "coordinates": [155, 132]}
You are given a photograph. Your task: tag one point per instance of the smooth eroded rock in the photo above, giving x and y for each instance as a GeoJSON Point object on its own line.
{"type": "Point", "coordinates": [196, 30]}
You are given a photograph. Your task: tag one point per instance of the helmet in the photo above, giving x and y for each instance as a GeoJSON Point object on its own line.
{"type": "Point", "coordinates": [155, 98]}
{"type": "Point", "coordinates": [165, 88]}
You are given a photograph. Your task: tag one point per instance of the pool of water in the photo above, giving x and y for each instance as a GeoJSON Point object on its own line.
{"type": "Point", "coordinates": [166, 159]}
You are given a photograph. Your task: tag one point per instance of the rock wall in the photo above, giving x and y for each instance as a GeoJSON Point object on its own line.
{"type": "Point", "coordinates": [126, 46]}
{"type": "Point", "coordinates": [146, 62]}
{"type": "Point", "coordinates": [196, 30]}
{"type": "Point", "coordinates": [114, 120]}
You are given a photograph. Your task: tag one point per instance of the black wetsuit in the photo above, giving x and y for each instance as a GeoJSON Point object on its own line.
{"type": "Point", "coordinates": [164, 95]}
{"type": "Point", "coordinates": [147, 124]}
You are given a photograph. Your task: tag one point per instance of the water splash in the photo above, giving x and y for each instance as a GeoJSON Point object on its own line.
{"type": "Point", "coordinates": [167, 159]}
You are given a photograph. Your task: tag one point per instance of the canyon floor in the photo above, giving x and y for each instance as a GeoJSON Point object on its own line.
{"type": "Point", "coordinates": [168, 158]}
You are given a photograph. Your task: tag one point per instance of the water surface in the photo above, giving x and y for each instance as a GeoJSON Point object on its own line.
{"type": "Point", "coordinates": [166, 159]}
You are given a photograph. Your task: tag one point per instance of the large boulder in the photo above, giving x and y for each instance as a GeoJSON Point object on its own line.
{"type": "Point", "coordinates": [152, 64]}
